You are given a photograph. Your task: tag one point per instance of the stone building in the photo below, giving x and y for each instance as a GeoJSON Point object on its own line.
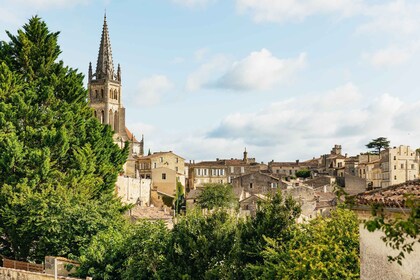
{"type": "Point", "coordinates": [221, 170]}
{"type": "Point", "coordinates": [258, 183]}
{"type": "Point", "coordinates": [165, 169]}
{"type": "Point", "coordinates": [105, 98]}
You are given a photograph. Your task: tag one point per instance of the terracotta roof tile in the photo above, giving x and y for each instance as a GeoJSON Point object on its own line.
{"type": "Point", "coordinates": [392, 196]}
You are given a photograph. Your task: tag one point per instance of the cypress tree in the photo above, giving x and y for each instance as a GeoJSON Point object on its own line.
{"type": "Point", "coordinates": [59, 164]}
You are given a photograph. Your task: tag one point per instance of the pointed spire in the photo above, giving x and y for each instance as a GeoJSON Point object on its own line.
{"type": "Point", "coordinates": [104, 65]}
{"type": "Point", "coordinates": [149, 153]}
{"type": "Point", "coordinates": [90, 71]}
{"type": "Point", "coordinates": [119, 73]}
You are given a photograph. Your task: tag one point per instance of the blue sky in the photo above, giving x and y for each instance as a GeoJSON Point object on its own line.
{"type": "Point", "coordinates": [287, 79]}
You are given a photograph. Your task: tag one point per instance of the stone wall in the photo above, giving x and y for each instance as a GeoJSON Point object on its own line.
{"type": "Point", "coordinates": [15, 274]}
{"type": "Point", "coordinates": [134, 190]}
{"type": "Point", "coordinates": [374, 264]}
{"type": "Point", "coordinates": [354, 184]}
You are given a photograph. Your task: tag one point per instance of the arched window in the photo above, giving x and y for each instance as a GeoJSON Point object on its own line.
{"type": "Point", "coordinates": [111, 119]}
{"type": "Point", "coordinates": [102, 93]}
{"type": "Point", "coordinates": [96, 93]}
{"type": "Point", "coordinates": [102, 116]}
{"type": "Point", "coordinates": [116, 122]}
{"type": "Point", "coordinates": [94, 113]}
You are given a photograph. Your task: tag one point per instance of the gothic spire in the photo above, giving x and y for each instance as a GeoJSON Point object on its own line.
{"type": "Point", "coordinates": [104, 65]}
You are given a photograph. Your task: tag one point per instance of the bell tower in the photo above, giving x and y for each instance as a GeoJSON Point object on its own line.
{"type": "Point", "coordinates": [104, 87]}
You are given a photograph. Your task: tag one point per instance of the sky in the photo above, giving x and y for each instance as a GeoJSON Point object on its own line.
{"type": "Point", "coordinates": [287, 79]}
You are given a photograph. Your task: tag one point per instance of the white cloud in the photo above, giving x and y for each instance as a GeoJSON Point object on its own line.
{"type": "Point", "coordinates": [193, 3]}
{"type": "Point", "coordinates": [260, 70]}
{"type": "Point", "coordinates": [151, 89]}
{"type": "Point", "coordinates": [308, 125]}
{"type": "Point", "coordinates": [202, 76]}
{"type": "Point", "coordinates": [393, 55]}
{"type": "Point", "coordinates": [295, 10]}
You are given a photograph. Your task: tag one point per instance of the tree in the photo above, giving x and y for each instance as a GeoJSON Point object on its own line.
{"type": "Point", "coordinates": [201, 245]}
{"type": "Point", "coordinates": [303, 173]}
{"type": "Point", "coordinates": [275, 218]}
{"type": "Point", "coordinates": [59, 164]}
{"type": "Point", "coordinates": [216, 196]}
{"type": "Point", "coordinates": [325, 248]}
{"type": "Point", "coordinates": [179, 201]}
{"type": "Point", "coordinates": [131, 252]}
{"type": "Point", "coordinates": [378, 144]}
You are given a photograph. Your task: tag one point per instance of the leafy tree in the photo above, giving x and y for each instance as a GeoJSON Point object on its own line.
{"type": "Point", "coordinates": [303, 173]}
{"type": "Point", "coordinates": [325, 248]}
{"type": "Point", "coordinates": [179, 201]}
{"type": "Point", "coordinates": [378, 144]}
{"type": "Point", "coordinates": [201, 245]}
{"type": "Point", "coordinates": [131, 252]}
{"type": "Point", "coordinates": [275, 218]}
{"type": "Point", "coordinates": [216, 196]}
{"type": "Point", "coordinates": [59, 164]}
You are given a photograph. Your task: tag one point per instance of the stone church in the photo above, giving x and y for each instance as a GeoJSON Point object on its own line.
{"type": "Point", "coordinates": [105, 97]}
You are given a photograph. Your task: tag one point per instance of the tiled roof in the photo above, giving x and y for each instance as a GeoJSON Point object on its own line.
{"type": "Point", "coordinates": [157, 154]}
{"type": "Point", "coordinates": [392, 196]}
{"type": "Point", "coordinates": [130, 135]}
{"type": "Point", "coordinates": [150, 213]}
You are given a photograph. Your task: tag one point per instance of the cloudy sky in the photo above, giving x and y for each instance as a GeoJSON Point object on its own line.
{"type": "Point", "coordinates": [287, 79]}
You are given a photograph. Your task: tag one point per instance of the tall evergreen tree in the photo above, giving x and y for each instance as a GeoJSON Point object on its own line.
{"type": "Point", "coordinates": [59, 164]}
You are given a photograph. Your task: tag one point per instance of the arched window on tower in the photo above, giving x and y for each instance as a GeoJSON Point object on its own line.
{"type": "Point", "coordinates": [96, 93]}
{"type": "Point", "coordinates": [102, 93]}
{"type": "Point", "coordinates": [116, 122]}
{"type": "Point", "coordinates": [102, 116]}
{"type": "Point", "coordinates": [115, 94]}
{"type": "Point", "coordinates": [94, 113]}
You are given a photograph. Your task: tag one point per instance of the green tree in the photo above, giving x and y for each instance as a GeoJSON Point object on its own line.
{"type": "Point", "coordinates": [325, 248]}
{"type": "Point", "coordinates": [216, 196]}
{"type": "Point", "coordinates": [303, 173]}
{"type": "Point", "coordinates": [378, 144]}
{"type": "Point", "coordinates": [59, 164]}
{"type": "Point", "coordinates": [201, 245]}
{"type": "Point", "coordinates": [131, 252]}
{"type": "Point", "coordinates": [179, 201]}
{"type": "Point", "coordinates": [275, 218]}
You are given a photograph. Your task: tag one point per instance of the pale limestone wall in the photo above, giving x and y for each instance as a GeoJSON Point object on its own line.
{"type": "Point", "coordinates": [134, 190]}
{"type": "Point", "coordinates": [15, 274]}
{"type": "Point", "coordinates": [374, 264]}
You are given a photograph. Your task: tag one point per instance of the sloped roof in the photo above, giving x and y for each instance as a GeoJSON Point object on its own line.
{"type": "Point", "coordinates": [392, 196]}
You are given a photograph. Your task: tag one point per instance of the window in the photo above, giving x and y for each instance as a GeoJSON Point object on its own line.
{"type": "Point", "coordinates": [395, 167]}
{"type": "Point", "coordinates": [205, 172]}
{"type": "Point", "coordinates": [395, 157]}
{"type": "Point", "coordinates": [222, 172]}
{"type": "Point", "coordinates": [163, 176]}
{"type": "Point", "coordinates": [161, 159]}
{"type": "Point", "coordinates": [229, 179]}
{"type": "Point", "coordinates": [176, 168]}
{"type": "Point", "coordinates": [395, 177]}
{"type": "Point", "coordinates": [232, 169]}
{"type": "Point", "coordinates": [242, 169]}
{"type": "Point", "coordinates": [102, 93]}
{"type": "Point", "coordinates": [154, 165]}
{"type": "Point", "coordinates": [176, 160]}
{"type": "Point", "coordinates": [96, 93]}
{"type": "Point", "coordinates": [412, 166]}
{"type": "Point", "coordinates": [402, 165]}
{"type": "Point", "coordinates": [250, 185]}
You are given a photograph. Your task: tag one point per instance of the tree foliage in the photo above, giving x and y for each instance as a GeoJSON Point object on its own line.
{"type": "Point", "coordinates": [216, 196]}
{"type": "Point", "coordinates": [59, 164]}
{"type": "Point", "coordinates": [325, 248]}
{"type": "Point", "coordinates": [378, 144]}
{"type": "Point", "coordinates": [303, 173]}
{"type": "Point", "coordinates": [400, 232]}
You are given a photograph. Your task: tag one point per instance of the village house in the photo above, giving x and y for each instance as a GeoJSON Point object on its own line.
{"type": "Point", "coordinates": [164, 169]}
{"type": "Point", "coordinates": [221, 170]}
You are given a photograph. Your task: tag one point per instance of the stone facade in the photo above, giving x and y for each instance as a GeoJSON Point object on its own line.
{"type": "Point", "coordinates": [221, 170]}
{"type": "Point", "coordinates": [258, 183]}
{"type": "Point", "coordinates": [134, 190]}
{"type": "Point", "coordinates": [165, 169]}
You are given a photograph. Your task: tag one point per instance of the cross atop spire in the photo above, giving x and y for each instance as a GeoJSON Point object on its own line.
{"type": "Point", "coordinates": [104, 65]}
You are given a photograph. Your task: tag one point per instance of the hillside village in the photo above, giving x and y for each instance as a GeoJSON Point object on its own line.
{"type": "Point", "coordinates": [150, 181]}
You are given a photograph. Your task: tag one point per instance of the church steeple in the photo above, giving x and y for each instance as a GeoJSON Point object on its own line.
{"type": "Point", "coordinates": [104, 64]}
